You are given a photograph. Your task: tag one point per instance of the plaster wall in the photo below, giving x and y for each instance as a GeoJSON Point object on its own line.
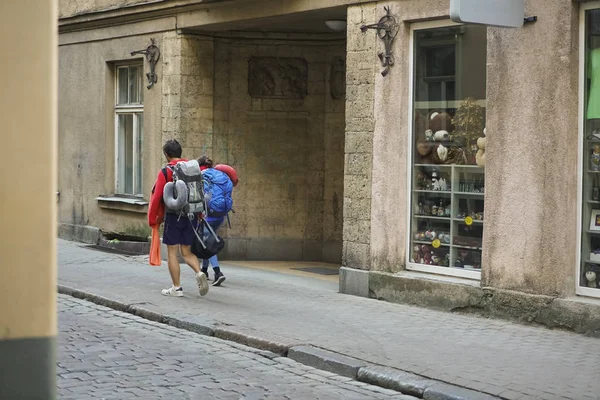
{"type": "Point", "coordinates": [532, 160]}
{"type": "Point", "coordinates": [69, 8]}
{"type": "Point", "coordinates": [28, 322]}
{"type": "Point", "coordinates": [86, 132]}
{"type": "Point", "coordinates": [531, 170]}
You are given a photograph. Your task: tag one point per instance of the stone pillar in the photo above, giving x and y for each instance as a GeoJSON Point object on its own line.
{"type": "Point", "coordinates": [28, 210]}
{"type": "Point", "coordinates": [188, 93]}
{"type": "Point", "coordinates": [531, 168]}
{"type": "Point", "coordinates": [360, 95]}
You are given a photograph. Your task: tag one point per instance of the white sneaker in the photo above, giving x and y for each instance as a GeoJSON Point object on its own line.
{"type": "Point", "coordinates": [202, 283]}
{"type": "Point", "coordinates": [172, 291]}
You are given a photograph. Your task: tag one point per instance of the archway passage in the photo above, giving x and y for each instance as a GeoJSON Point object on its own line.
{"type": "Point", "coordinates": [278, 117]}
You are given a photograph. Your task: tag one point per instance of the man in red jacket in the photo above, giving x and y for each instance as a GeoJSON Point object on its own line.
{"type": "Point", "coordinates": [178, 232]}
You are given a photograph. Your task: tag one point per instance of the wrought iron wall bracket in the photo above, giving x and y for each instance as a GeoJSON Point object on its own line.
{"type": "Point", "coordinates": [387, 29]}
{"type": "Point", "coordinates": [152, 54]}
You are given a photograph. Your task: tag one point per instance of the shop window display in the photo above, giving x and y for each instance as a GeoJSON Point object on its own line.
{"type": "Point", "coordinates": [448, 160]}
{"type": "Point", "coordinates": [590, 245]}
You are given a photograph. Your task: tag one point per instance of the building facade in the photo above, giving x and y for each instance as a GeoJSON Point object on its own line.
{"type": "Point", "coordinates": [354, 144]}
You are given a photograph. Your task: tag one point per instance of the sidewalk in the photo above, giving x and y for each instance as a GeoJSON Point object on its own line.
{"type": "Point", "coordinates": [490, 356]}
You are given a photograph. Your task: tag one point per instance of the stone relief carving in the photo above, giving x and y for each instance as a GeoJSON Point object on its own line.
{"type": "Point", "coordinates": [277, 78]}
{"type": "Point", "coordinates": [337, 78]}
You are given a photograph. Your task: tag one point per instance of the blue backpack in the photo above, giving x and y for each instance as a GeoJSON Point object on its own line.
{"type": "Point", "coordinates": [219, 187]}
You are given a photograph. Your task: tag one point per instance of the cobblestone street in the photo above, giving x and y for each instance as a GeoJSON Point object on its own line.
{"type": "Point", "coordinates": [106, 354]}
{"type": "Point", "coordinates": [492, 356]}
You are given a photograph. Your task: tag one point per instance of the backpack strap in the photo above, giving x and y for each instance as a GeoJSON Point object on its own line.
{"type": "Point", "coordinates": [164, 171]}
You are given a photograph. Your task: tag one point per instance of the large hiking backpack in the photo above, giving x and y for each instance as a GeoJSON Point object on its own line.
{"type": "Point", "coordinates": [218, 188]}
{"type": "Point", "coordinates": [185, 194]}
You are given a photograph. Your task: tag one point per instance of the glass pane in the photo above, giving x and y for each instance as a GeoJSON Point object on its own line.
{"type": "Point", "coordinates": [134, 85]}
{"type": "Point", "coordinates": [142, 83]}
{"type": "Point", "coordinates": [590, 243]}
{"type": "Point", "coordinates": [139, 152]}
{"type": "Point", "coordinates": [122, 85]}
{"type": "Point", "coordinates": [440, 60]}
{"type": "Point", "coordinates": [448, 179]}
{"type": "Point", "coordinates": [125, 154]}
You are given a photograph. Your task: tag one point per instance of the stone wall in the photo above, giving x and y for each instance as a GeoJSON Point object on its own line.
{"type": "Point", "coordinates": [360, 123]}
{"type": "Point", "coordinates": [187, 102]}
{"type": "Point", "coordinates": [287, 151]}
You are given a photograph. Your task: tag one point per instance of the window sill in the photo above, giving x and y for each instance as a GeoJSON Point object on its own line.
{"type": "Point", "coordinates": [130, 204]}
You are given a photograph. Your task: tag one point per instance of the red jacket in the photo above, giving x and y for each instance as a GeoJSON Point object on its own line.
{"type": "Point", "coordinates": [156, 209]}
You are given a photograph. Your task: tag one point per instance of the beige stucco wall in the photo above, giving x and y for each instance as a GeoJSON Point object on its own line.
{"type": "Point", "coordinates": [86, 131]}
{"type": "Point", "coordinates": [288, 154]}
{"type": "Point", "coordinates": [531, 170]}
{"type": "Point", "coordinates": [68, 8]}
{"type": "Point", "coordinates": [28, 200]}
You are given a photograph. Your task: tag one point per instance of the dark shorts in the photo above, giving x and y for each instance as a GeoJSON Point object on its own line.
{"type": "Point", "coordinates": [178, 230]}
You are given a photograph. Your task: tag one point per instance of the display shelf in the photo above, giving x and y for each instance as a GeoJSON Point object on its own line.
{"type": "Point", "coordinates": [429, 243]}
{"type": "Point", "coordinates": [434, 165]}
{"type": "Point", "coordinates": [448, 219]}
{"type": "Point", "coordinates": [468, 166]}
{"type": "Point", "coordinates": [591, 262]}
{"type": "Point", "coordinates": [475, 194]}
{"type": "Point", "coordinates": [432, 191]}
{"type": "Point", "coordinates": [592, 232]}
{"type": "Point", "coordinates": [459, 202]}
{"type": "Point", "coordinates": [462, 220]}
{"type": "Point", "coordinates": [593, 172]}
{"type": "Point", "coordinates": [458, 246]}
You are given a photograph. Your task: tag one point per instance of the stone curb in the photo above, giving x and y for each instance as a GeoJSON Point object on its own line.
{"type": "Point", "coordinates": [252, 341]}
{"type": "Point", "coordinates": [326, 360]}
{"type": "Point", "coordinates": [385, 377]}
{"type": "Point", "coordinates": [418, 386]}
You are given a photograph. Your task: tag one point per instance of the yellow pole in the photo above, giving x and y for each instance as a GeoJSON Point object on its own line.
{"type": "Point", "coordinates": [28, 122]}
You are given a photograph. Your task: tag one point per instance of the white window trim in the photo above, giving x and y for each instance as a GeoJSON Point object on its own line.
{"type": "Point", "coordinates": [126, 109]}
{"type": "Point", "coordinates": [582, 290]}
{"type": "Point", "coordinates": [475, 275]}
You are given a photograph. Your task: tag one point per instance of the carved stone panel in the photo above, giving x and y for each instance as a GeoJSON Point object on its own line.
{"type": "Point", "coordinates": [337, 78]}
{"type": "Point", "coordinates": [277, 78]}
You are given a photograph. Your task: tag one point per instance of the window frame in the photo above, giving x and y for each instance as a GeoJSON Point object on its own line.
{"type": "Point", "coordinates": [128, 109]}
{"type": "Point", "coordinates": [583, 8]}
{"type": "Point", "coordinates": [410, 266]}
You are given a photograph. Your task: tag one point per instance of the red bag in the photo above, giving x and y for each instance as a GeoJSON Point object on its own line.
{"type": "Point", "coordinates": [155, 259]}
{"type": "Point", "coordinates": [230, 171]}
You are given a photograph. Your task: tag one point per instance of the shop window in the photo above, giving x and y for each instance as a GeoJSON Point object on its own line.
{"type": "Point", "coordinates": [447, 174]}
{"type": "Point", "coordinates": [129, 122]}
{"type": "Point", "coordinates": [589, 267]}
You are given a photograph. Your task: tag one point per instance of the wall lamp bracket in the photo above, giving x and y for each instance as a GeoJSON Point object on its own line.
{"type": "Point", "coordinates": [152, 54]}
{"type": "Point", "coordinates": [387, 29]}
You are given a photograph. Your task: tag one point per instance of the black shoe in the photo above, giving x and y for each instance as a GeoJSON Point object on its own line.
{"type": "Point", "coordinates": [219, 278]}
{"type": "Point", "coordinates": [205, 273]}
